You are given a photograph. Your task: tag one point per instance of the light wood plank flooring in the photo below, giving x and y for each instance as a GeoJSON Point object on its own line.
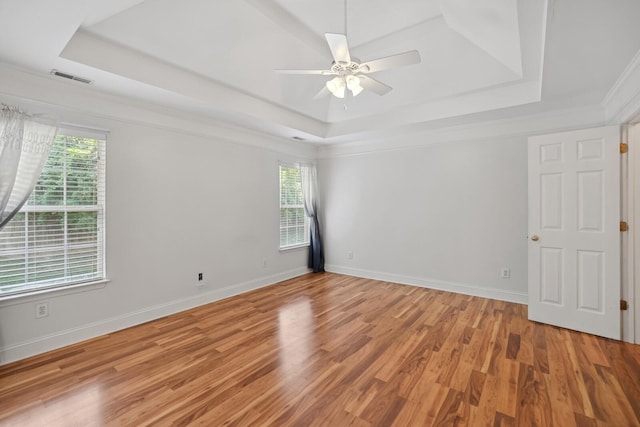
{"type": "Point", "coordinates": [332, 350]}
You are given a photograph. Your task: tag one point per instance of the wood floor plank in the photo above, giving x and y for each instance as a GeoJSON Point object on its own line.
{"type": "Point", "coordinates": [534, 406]}
{"type": "Point", "coordinates": [503, 420]}
{"type": "Point", "coordinates": [562, 409]}
{"type": "Point", "coordinates": [627, 370]}
{"type": "Point", "coordinates": [329, 349]}
{"type": "Point", "coordinates": [579, 393]}
{"type": "Point", "coordinates": [508, 388]}
{"type": "Point", "coordinates": [421, 410]}
{"type": "Point", "coordinates": [540, 354]}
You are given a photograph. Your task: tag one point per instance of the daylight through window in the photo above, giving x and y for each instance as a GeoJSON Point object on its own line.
{"type": "Point", "coordinates": [294, 224]}
{"type": "Point", "coordinates": [57, 238]}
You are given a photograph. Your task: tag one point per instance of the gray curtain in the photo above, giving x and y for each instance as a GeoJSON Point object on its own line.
{"type": "Point", "coordinates": [308, 178]}
{"type": "Point", "coordinates": [24, 148]}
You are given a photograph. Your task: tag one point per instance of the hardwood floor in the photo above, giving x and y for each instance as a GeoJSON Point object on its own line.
{"type": "Point", "coordinates": [332, 350]}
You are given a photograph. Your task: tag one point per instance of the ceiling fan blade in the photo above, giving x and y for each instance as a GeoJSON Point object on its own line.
{"type": "Point", "coordinates": [339, 48]}
{"type": "Point", "coordinates": [321, 72]}
{"type": "Point", "coordinates": [373, 85]}
{"type": "Point", "coordinates": [399, 60]}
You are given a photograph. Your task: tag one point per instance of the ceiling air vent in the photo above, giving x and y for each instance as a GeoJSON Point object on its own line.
{"type": "Point", "coordinates": [70, 77]}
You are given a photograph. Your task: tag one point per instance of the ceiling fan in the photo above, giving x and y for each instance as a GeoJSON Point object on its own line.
{"type": "Point", "coordinates": [351, 73]}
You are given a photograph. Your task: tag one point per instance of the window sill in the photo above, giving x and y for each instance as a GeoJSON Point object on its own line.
{"type": "Point", "coordinates": [294, 247]}
{"type": "Point", "coordinates": [38, 294]}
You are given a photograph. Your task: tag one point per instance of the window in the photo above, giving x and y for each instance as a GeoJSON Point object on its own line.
{"type": "Point", "coordinates": [57, 238]}
{"type": "Point", "coordinates": [294, 224]}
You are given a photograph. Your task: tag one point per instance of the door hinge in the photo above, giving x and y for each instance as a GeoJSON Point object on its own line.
{"type": "Point", "coordinates": [623, 148]}
{"type": "Point", "coordinates": [623, 305]}
{"type": "Point", "coordinates": [624, 226]}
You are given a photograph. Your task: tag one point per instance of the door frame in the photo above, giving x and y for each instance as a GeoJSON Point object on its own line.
{"type": "Point", "coordinates": [630, 134]}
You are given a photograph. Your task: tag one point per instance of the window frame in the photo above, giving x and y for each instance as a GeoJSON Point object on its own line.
{"type": "Point", "coordinates": [67, 282]}
{"type": "Point", "coordinates": [307, 234]}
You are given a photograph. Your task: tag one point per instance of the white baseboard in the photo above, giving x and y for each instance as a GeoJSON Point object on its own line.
{"type": "Point", "coordinates": [459, 288]}
{"type": "Point", "coordinates": [60, 339]}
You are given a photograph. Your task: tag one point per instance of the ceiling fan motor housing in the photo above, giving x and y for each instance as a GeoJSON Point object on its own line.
{"type": "Point", "coordinates": [343, 69]}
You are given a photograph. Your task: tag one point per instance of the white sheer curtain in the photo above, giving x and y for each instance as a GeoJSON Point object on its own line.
{"type": "Point", "coordinates": [309, 181]}
{"type": "Point", "coordinates": [24, 148]}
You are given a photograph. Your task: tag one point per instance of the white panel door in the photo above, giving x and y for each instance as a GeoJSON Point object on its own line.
{"type": "Point", "coordinates": [574, 230]}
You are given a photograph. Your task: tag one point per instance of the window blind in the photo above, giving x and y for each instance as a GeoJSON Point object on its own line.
{"type": "Point", "coordinates": [294, 224]}
{"type": "Point", "coordinates": [57, 238]}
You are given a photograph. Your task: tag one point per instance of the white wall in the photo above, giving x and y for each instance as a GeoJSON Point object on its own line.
{"type": "Point", "coordinates": [185, 195]}
{"type": "Point", "coordinates": [179, 202]}
{"type": "Point", "coordinates": [447, 215]}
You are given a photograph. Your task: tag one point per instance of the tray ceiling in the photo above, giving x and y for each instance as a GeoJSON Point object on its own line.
{"type": "Point", "coordinates": [217, 58]}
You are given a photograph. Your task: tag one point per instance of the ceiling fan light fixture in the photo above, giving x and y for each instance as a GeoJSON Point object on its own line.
{"type": "Point", "coordinates": [353, 83]}
{"type": "Point", "coordinates": [336, 86]}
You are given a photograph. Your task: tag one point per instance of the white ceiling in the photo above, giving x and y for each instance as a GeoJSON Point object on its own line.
{"type": "Point", "coordinates": [217, 58]}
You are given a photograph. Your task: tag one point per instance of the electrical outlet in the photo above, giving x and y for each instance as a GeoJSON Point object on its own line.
{"type": "Point", "coordinates": [505, 273]}
{"type": "Point", "coordinates": [350, 255]}
{"type": "Point", "coordinates": [264, 263]}
{"type": "Point", "coordinates": [200, 281]}
{"type": "Point", "coordinates": [200, 277]}
{"type": "Point", "coordinates": [42, 310]}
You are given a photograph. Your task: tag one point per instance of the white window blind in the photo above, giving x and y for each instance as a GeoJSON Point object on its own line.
{"type": "Point", "coordinates": [294, 224]}
{"type": "Point", "coordinates": [57, 238]}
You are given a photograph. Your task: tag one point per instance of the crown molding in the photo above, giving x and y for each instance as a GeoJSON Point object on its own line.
{"type": "Point", "coordinates": [622, 102]}
{"type": "Point", "coordinates": [521, 126]}
{"type": "Point", "coordinates": [73, 102]}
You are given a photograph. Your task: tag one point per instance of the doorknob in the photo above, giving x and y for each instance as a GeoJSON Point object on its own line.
{"type": "Point", "coordinates": [535, 238]}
